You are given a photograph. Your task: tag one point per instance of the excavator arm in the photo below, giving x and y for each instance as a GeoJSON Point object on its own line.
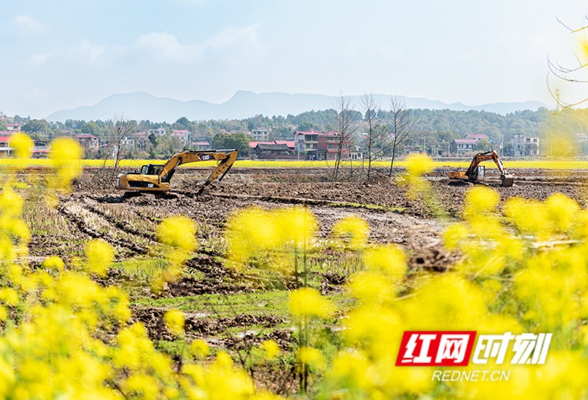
{"type": "Point", "coordinates": [156, 178]}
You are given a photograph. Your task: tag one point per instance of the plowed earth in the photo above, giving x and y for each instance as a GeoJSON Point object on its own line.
{"type": "Point", "coordinates": [96, 210]}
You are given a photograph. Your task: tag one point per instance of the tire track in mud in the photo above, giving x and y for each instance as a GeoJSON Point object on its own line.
{"type": "Point", "coordinates": [219, 279]}
{"type": "Point", "coordinates": [72, 215]}
{"type": "Point", "coordinates": [310, 202]}
{"type": "Point", "coordinates": [122, 225]}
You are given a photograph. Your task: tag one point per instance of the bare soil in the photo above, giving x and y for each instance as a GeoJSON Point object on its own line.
{"type": "Point", "coordinates": [96, 210]}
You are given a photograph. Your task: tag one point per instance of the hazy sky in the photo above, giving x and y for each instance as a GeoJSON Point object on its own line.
{"type": "Point", "coordinates": [67, 53]}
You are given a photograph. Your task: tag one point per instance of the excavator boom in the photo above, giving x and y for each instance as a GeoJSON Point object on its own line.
{"type": "Point", "coordinates": [156, 178]}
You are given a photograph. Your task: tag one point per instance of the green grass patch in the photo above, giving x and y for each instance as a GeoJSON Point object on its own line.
{"type": "Point", "coordinates": [218, 305]}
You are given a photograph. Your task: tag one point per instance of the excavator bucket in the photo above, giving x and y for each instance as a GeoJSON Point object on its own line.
{"type": "Point", "coordinates": [507, 180]}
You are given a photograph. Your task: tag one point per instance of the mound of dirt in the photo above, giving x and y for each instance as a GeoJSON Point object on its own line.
{"type": "Point", "coordinates": [379, 179]}
{"type": "Point", "coordinates": [433, 258]}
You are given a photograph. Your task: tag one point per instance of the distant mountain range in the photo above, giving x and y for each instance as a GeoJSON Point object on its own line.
{"type": "Point", "coordinates": [144, 106]}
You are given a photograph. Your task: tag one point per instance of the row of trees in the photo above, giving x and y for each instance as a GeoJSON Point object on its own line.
{"type": "Point", "coordinates": [433, 130]}
{"type": "Point", "coordinates": [382, 130]}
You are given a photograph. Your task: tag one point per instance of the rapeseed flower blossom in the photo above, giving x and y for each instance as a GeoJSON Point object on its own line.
{"type": "Point", "coordinates": [271, 348]}
{"type": "Point", "coordinates": [65, 156]}
{"type": "Point", "coordinates": [23, 148]}
{"type": "Point", "coordinates": [199, 348]}
{"type": "Point", "coordinates": [307, 303]}
{"type": "Point", "coordinates": [354, 231]}
{"type": "Point", "coordinates": [416, 166]}
{"type": "Point", "coordinates": [100, 255]}
{"type": "Point", "coordinates": [174, 321]}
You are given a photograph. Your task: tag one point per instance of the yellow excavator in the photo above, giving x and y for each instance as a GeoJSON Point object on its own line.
{"type": "Point", "coordinates": [156, 178]}
{"type": "Point", "coordinates": [476, 171]}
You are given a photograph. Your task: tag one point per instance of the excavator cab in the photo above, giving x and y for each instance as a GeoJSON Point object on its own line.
{"type": "Point", "coordinates": [155, 169]}
{"type": "Point", "coordinates": [479, 173]}
{"type": "Point", "coordinates": [151, 169]}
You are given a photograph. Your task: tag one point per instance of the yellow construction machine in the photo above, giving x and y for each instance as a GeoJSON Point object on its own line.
{"type": "Point", "coordinates": [155, 178]}
{"type": "Point", "coordinates": [477, 171]}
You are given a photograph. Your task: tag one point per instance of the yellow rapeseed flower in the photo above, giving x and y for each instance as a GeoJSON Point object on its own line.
{"type": "Point", "coordinates": [389, 260]}
{"type": "Point", "coordinates": [54, 263]}
{"type": "Point", "coordinates": [199, 348]}
{"type": "Point", "coordinates": [354, 231]}
{"type": "Point", "coordinates": [174, 321]}
{"type": "Point", "coordinates": [307, 302]}
{"type": "Point", "coordinates": [295, 224]}
{"type": "Point", "coordinates": [65, 156]}
{"type": "Point", "coordinates": [178, 232]}
{"type": "Point", "coordinates": [419, 164]}
{"type": "Point", "coordinates": [23, 148]}
{"type": "Point", "coordinates": [100, 255]}
{"type": "Point", "coordinates": [311, 357]}
{"type": "Point", "coordinates": [563, 211]}
{"type": "Point", "coordinates": [272, 350]}
{"type": "Point", "coordinates": [22, 145]}
{"type": "Point", "coordinates": [9, 296]}
{"type": "Point", "coordinates": [480, 200]}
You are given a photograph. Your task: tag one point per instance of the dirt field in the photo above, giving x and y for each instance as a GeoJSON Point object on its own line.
{"type": "Point", "coordinates": [236, 310]}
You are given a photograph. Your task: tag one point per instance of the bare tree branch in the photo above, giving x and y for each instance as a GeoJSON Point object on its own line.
{"type": "Point", "coordinates": [401, 127]}
{"type": "Point", "coordinates": [566, 74]}
{"type": "Point", "coordinates": [374, 124]}
{"type": "Point", "coordinates": [346, 127]}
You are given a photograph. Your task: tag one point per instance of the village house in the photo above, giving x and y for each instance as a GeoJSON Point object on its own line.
{"type": "Point", "coordinates": [158, 131]}
{"type": "Point", "coordinates": [306, 144]}
{"type": "Point", "coordinates": [260, 134]}
{"type": "Point", "coordinates": [182, 134]}
{"type": "Point", "coordinates": [277, 149]}
{"type": "Point", "coordinates": [462, 146]}
{"type": "Point", "coordinates": [141, 140]}
{"type": "Point", "coordinates": [201, 145]}
{"type": "Point", "coordinates": [328, 146]}
{"type": "Point", "coordinates": [88, 141]}
{"type": "Point", "coordinates": [523, 146]}
{"type": "Point", "coordinates": [5, 148]}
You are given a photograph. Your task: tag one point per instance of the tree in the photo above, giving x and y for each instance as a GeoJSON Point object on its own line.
{"type": "Point", "coordinates": [346, 127]}
{"type": "Point", "coordinates": [401, 127]}
{"type": "Point", "coordinates": [121, 129]}
{"type": "Point", "coordinates": [482, 145]}
{"type": "Point", "coordinates": [92, 128]}
{"type": "Point", "coordinates": [3, 126]}
{"type": "Point", "coordinates": [38, 126]}
{"type": "Point", "coordinates": [573, 74]}
{"type": "Point", "coordinates": [237, 141]}
{"type": "Point", "coordinates": [369, 106]}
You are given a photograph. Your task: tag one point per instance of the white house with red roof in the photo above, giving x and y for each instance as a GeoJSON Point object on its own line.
{"type": "Point", "coordinates": [182, 134]}
{"type": "Point", "coordinates": [5, 148]}
{"type": "Point", "coordinates": [13, 127]}
{"type": "Point", "coordinates": [463, 146]}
